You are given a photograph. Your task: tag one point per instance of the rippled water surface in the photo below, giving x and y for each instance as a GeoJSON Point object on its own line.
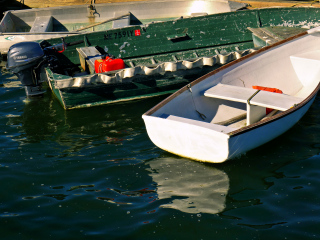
{"type": "Point", "coordinates": [94, 174]}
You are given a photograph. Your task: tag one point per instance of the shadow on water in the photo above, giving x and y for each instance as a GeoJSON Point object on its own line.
{"type": "Point", "coordinates": [44, 122]}
{"type": "Point", "coordinates": [52, 119]}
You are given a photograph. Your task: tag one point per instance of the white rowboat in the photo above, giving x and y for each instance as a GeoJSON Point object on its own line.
{"type": "Point", "coordinates": [220, 115]}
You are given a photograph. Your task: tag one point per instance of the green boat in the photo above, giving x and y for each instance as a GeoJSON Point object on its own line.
{"type": "Point", "coordinates": [159, 57]}
{"type": "Point", "coordinates": [51, 22]}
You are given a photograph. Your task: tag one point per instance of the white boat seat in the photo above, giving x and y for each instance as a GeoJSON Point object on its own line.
{"type": "Point", "coordinates": [272, 100]}
{"type": "Point", "coordinates": [42, 24]}
{"type": "Point", "coordinates": [257, 101]}
{"type": "Point", "coordinates": [306, 66]}
{"type": "Point", "coordinates": [215, 127]}
{"type": "Point", "coordinates": [230, 92]}
{"type": "Point", "coordinates": [87, 56]}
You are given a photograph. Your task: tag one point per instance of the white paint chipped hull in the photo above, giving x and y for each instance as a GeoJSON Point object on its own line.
{"type": "Point", "coordinates": [197, 125]}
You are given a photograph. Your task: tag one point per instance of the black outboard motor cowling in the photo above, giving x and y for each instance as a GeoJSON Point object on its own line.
{"type": "Point", "coordinates": [24, 59]}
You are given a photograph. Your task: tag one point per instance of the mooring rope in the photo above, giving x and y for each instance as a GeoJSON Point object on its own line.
{"type": "Point", "coordinates": [203, 117]}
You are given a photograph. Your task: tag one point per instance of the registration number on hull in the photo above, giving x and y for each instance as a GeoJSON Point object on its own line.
{"type": "Point", "coordinates": [123, 34]}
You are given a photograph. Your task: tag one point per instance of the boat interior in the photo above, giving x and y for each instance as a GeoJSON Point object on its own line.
{"type": "Point", "coordinates": [189, 63]}
{"type": "Point", "coordinates": [251, 90]}
{"type": "Point", "coordinates": [107, 16]}
{"type": "Point", "coordinates": [49, 23]}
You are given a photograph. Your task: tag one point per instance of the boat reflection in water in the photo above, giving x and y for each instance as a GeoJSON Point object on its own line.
{"type": "Point", "coordinates": [191, 187]}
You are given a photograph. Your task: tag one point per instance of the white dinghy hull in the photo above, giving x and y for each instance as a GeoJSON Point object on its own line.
{"type": "Point", "coordinates": [195, 121]}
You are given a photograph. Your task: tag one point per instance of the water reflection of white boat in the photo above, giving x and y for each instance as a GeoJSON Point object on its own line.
{"type": "Point", "coordinates": [189, 186]}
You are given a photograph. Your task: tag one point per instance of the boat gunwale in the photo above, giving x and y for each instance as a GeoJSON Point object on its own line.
{"type": "Point", "coordinates": [38, 33]}
{"type": "Point", "coordinates": [85, 5]}
{"type": "Point", "coordinates": [108, 4]}
{"type": "Point", "coordinates": [224, 67]}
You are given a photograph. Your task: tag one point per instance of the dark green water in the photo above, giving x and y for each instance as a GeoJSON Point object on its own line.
{"type": "Point", "coordinates": [94, 174]}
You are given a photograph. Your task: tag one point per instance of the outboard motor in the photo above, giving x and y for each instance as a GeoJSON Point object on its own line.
{"type": "Point", "coordinates": [27, 60]}
{"type": "Point", "coordinates": [24, 60]}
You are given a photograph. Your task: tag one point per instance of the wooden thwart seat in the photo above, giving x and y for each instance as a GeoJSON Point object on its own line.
{"type": "Point", "coordinates": [229, 92]}
{"type": "Point", "coordinates": [257, 101]}
{"type": "Point", "coordinates": [88, 55]}
{"type": "Point", "coordinates": [277, 101]}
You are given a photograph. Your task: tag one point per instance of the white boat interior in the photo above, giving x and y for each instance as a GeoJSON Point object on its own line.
{"type": "Point", "coordinates": [227, 101]}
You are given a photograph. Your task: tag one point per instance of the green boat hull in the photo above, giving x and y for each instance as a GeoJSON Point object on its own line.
{"type": "Point", "coordinates": [140, 87]}
{"type": "Point", "coordinates": [172, 41]}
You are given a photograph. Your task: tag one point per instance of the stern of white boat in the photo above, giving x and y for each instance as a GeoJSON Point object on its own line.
{"type": "Point", "coordinates": [189, 138]}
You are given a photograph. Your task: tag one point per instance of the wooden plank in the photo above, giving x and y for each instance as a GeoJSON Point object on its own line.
{"type": "Point", "coordinates": [229, 92]}
{"type": "Point", "coordinates": [212, 30]}
{"type": "Point", "coordinates": [272, 34]}
{"type": "Point", "coordinates": [277, 101]}
{"type": "Point", "coordinates": [88, 55]}
{"type": "Point", "coordinates": [257, 101]}
{"type": "Point", "coordinates": [255, 113]}
{"type": "Point", "coordinates": [294, 17]}
{"type": "Point", "coordinates": [260, 35]}
{"type": "Point", "coordinates": [265, 99]}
